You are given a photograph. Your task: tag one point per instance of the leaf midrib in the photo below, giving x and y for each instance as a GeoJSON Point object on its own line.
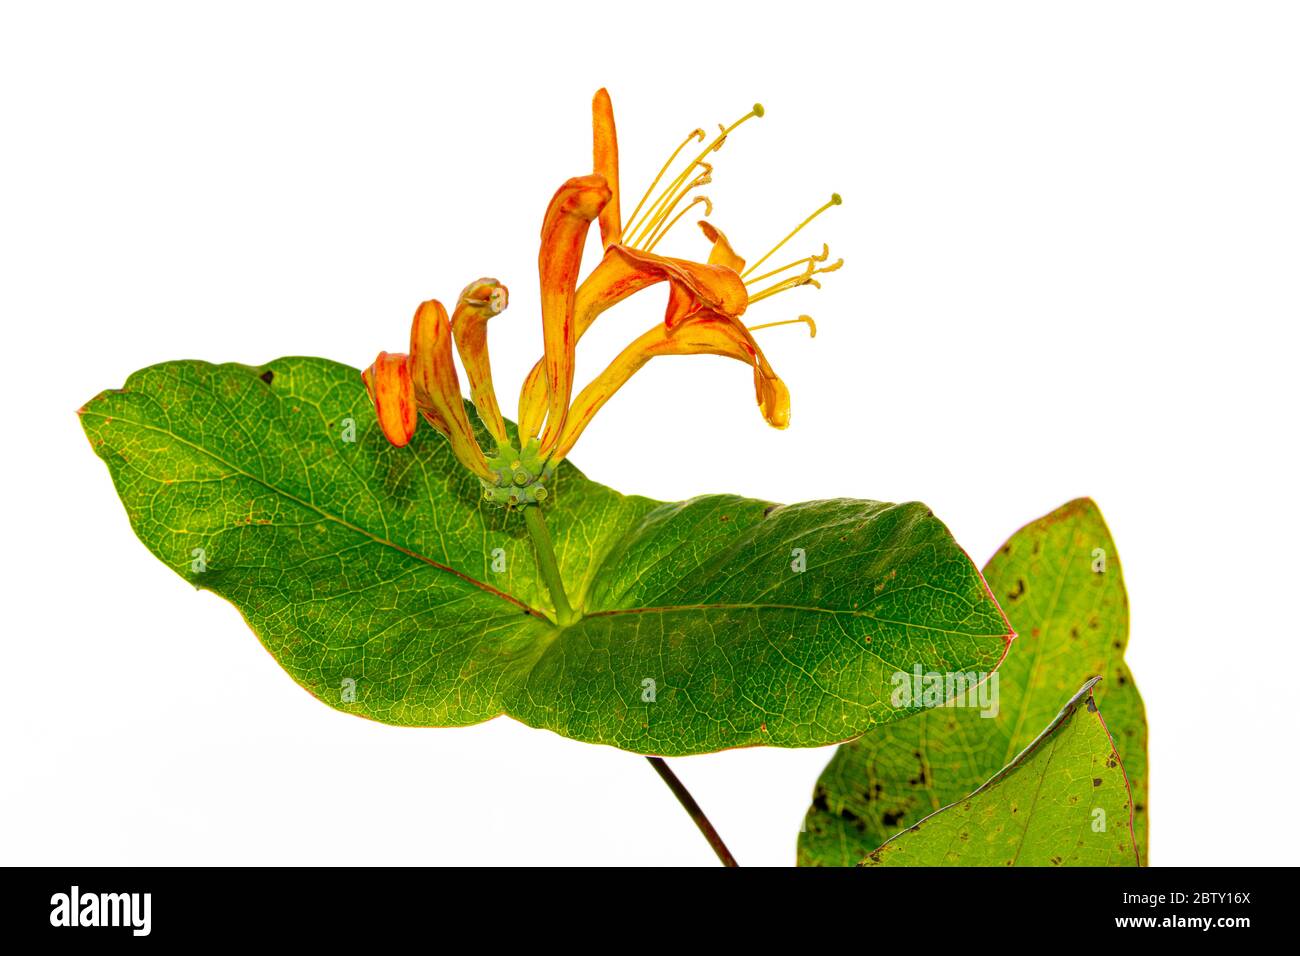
{"type": "Point", "coordinates": [746, 606]}
{"type": "Point", "coordinates": [469, 579]}
{"type": "Point", "coordinates": [484, 586]}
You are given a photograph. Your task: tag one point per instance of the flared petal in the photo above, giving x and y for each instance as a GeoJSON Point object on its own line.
{"type": "Point", "coordinates": [622, 272]}
{"type": "Point", "coordinates": [388, 381]}
{"type": "Point", "coordinates": [694, 286]}
{"type": "Point", "coordinates": [564, 233]}
{"type": "Point", "coordinates": [481, 300]}
{"type": "Point", "coordinates": [721, 254]}
{"type": "Point", "coordinates": [604, 162]}
{"type": "Point", "coordinates": [437, 387]}
{"type": "Point", "coordinates": [715, 334]}
{"type": "Point", "coordinates": [703, 334]}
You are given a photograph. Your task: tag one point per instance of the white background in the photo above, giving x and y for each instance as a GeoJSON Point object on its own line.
{"type": "Point", "coordinates": [1071, 235]}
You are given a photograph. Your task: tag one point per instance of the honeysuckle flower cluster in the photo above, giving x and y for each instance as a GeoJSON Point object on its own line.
{"type": "Point", "coordinates": [706, 300]}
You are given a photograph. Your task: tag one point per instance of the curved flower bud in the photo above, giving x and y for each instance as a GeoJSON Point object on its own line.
{"type": "Point", "coordinates": [388, 382]}
{"type": "Point", "coordinates": [437, 387]}
{"type": "Point", "coordinates": [604, 162]}
{"type": "Point", "coordinates": [481, 300]}
{"type": "Point", "coordinates": [705, 333]}
{"type": "Point", "coordinates": [564, 233]}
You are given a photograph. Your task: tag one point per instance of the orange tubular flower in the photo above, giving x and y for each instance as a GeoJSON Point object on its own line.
{"type": "Point", "coordinates": [604, 162]}
{"type": "Point", "coordinates": [388, 381]}
{"type": "Point", "coordinates": [480, 301]}
{"type": "Point", "coordinates": [437, 387]}
{"type": "Point", "coordinates": [717, 292]}
{"type": "Point", "coordinates": [564, 233]}
{"type": "Point", "coordinates": [703, 333]}
{"type": "Point", "coordinates": [624, 271]}
{"type": "Point", "coordinates": [703, 315]}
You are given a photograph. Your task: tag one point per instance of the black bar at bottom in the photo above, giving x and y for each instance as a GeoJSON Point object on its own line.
{"type": "Point", "coordinates": [300, 905]}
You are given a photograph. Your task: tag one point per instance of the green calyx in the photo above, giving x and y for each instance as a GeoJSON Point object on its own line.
{"type": "Point", "coordinates": [518, 478]}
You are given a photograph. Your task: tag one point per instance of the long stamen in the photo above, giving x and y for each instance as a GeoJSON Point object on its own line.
{"type": "Point", "coordinates": [657, 220]}
{"type": "Point", "coordinates": [696, 135]}
{"type": "Point", "coordinates": [835, 200]}
{"type": "Point", "coordinates": [805, 261]}
{"type": "Point", "coordinates": [714, 145]}
{"type": "Point", "coordinates": [708, 211]}
{"type": "Point", "coordinates": [670, 197]}
{"type": "Point", "coordinates": [788, 284]}
{"type": "Point", "coordinates": [804, 319]}
{"type": "Point", "coordinates": [793, 282]}
{"type": "Point", "coordinates": [671, 189]}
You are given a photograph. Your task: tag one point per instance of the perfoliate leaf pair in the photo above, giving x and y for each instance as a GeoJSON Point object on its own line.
{"type": "Point", "coordinates": [384, 585]}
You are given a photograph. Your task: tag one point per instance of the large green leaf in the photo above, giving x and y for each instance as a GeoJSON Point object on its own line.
{"type": "Point", "coordinates": [1060, 581]}
{"type": "Point", "coordinates": [1063, 801]}
{"type": "Point", "coordinates": [383, 584]}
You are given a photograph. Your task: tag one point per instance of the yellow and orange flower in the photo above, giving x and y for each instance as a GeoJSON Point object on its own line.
{"type": "Point", "coordinates": [706, 301]}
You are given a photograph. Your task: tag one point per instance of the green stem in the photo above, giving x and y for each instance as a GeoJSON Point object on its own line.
{"type": "Point", "coordinates": [688, 802]}
{"type": "Point", "coordinates": [544, 548]}
{"type": "Point", "coordinates": [545, 551]}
